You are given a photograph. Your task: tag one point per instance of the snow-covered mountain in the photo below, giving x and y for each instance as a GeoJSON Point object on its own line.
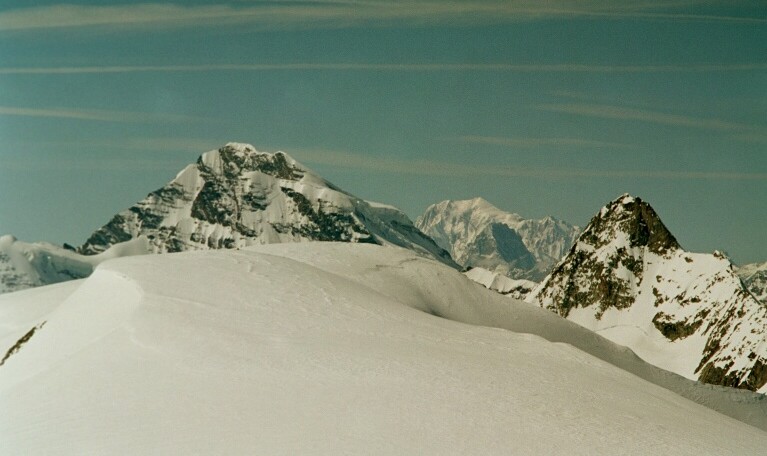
{"type": "Point", "coordinates": [478, 234]}
{"type": "Point", "coordinates": [237, 196]}
{"type": "Point", "coordinates": [754, 276]}
{"type": "Point", "coordinates": [24, 265]}
{"type": "Point", "coordinates": [628, 279]}
{"type": "Point", "coordinates": [230, 198]}
{"type": "Point", "coordinates": [332, 348]}
{"type": "Point", "coordinates": [27, 265]}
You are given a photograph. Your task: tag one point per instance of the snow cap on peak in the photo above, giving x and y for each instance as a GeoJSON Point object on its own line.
{"type": "Point", "coordinates": [722, 255]}
{"type": "Point", "coordinates": [476, 202]}
{"type": "Point", "coordinates": [618, 205]}
{"type": "Point", "coordinates": [7, 239]}
{"type": "Point", "coordinates": [626, 199]}
{"type": "Point", "coordinates": [241, 147]}
{"type": "Point", "coordinates": [635, 218]}
{"type": "Point", "coordinates": [237, 158]}
{"type": "Point", "coordinates": [245, 149]}
{"type": "Point", "coordinates": [479, 200]}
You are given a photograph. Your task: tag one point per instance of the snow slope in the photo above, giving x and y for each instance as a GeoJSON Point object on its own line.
{"type": "Point", "coordinates": [628, 279]}
{"type": "Point", "coordinates": [26, 265]}
{"type": "Point", "coordinates": [478, 234]}
{"type": "Point", "coordinates": [328, 348]}
{"type": "Point", "coordinates": [515, 288]}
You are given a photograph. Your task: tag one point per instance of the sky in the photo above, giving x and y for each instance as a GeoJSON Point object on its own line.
{"type": "Point", "coordinates": [550, 107]}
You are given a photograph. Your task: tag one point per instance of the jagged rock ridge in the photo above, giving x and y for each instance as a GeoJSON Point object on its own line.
{"type": "Point", "coordinates": [237, 196]}
{"type": "Point", "coordinates": [754, 277]}
{"type": "Point", "coordinates": [627, 278]}
{"type": "Point", "coordinates": [478, 234]}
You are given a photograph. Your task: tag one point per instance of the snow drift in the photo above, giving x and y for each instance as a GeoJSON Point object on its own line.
{"type": "Point", "coordinates": [327, 348]}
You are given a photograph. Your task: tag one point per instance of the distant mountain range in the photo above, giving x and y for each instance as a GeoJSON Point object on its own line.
{"type": "Point", "coordinates": [231, 197]}
{"type": "Point", "coordinates": [625, 276]}
{"type": "Point", "coordinates": [478, 234]}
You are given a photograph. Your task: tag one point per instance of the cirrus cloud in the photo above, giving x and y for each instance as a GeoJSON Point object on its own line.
{"type": "Point", "coordinates": [395, 165]}
{"type": "Point", "coordinates": [98, 115]}
{"type": "Point", "coordinates": [319, 14]}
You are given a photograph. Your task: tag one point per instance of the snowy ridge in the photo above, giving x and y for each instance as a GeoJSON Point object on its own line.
{"type": "Point", "coordinates": [628, 279]}
{"type": "Point", "coordinates": [237, 196]}
{"type": "Point", "coordinates": [478, 234]}
{"type": "Point", "coordinates": [331, 348]}
{"type": "Point", "coordinates": [515, 288]}
{"type": "Point", "coordinates": [754, 277]}
{"type": "Point", "coordinates": [27, 265]}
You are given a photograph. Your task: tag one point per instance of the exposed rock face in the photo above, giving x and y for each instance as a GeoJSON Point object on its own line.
{"type": "Point", "coordinates": [754, 277]}
{"type": "Point", "coordinates": [478, 234]}
{"type": "Point", "coordinates": [627, 278]}
{"type": "Point", "coordinates": [237, 196]}
{"type": "Point", "coordinates": [24, 265]}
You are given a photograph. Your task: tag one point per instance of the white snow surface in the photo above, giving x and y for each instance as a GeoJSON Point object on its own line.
{"type": "Point", "coordinates": [328, 348]}
{"type": "Point", "coordinates": [27, 265]}
{"type": "Point", "coordinates": [465, 228]}
{"type": "Point", "coordinates": [515, 288]}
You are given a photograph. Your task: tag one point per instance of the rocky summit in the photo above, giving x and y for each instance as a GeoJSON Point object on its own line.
{"type": "Point", "coordinates": [628, 279]}
{"type": "Point", "coordinates": [237, 196]}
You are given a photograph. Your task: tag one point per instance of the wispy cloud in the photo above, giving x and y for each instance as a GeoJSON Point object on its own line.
{"type": "Point", "coordinates": [186, 145]}
{"type": "Point", "coordinates": [316, 14]}
{"type": "Point", "coordinates": [146, 153]}
{"type": "Point", "coordinates": [96, 115]}
{"type": "Point", "coordinates": [678, 17]}
{"type": "Point", "coordinates": [759, 138]}
{"type": "Point", "coordinates": [622, 113]}
{"type": "Point", "coordinates": [190, 146]}
{"type": "Point", "coordinates": [392, 67]}
{"type": "Point", "coordinates": [541, 142]}
{"type": "Point", "coordinates": [95, 164]}
{"type": "Point", "coordinates": [431, 168]}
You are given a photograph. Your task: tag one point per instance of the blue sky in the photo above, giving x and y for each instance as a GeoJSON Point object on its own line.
{"type": "Point", "coordinates": [542, 107]}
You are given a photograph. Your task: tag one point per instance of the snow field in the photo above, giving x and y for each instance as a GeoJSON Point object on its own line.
{"type": "Point", "coordinates": [324, 348]}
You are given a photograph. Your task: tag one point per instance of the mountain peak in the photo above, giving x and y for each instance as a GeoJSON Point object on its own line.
{"type": "Point", "coordinates": [464, 205]}
{"type": "Point", "coordinates": [628, 279]}
{"type": "Point", "coordinates": [7, 239]}
{"type": "Point", "coordinates": [478, 234]}
{"type": "Point", "coordinates": [236, 196]}
{"type": "Point", "coordinates": [235, 159]}
{"type": "Point", "coordinates": [636, 220]}
{"type": "Point", "coordinates": [479, 201]}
